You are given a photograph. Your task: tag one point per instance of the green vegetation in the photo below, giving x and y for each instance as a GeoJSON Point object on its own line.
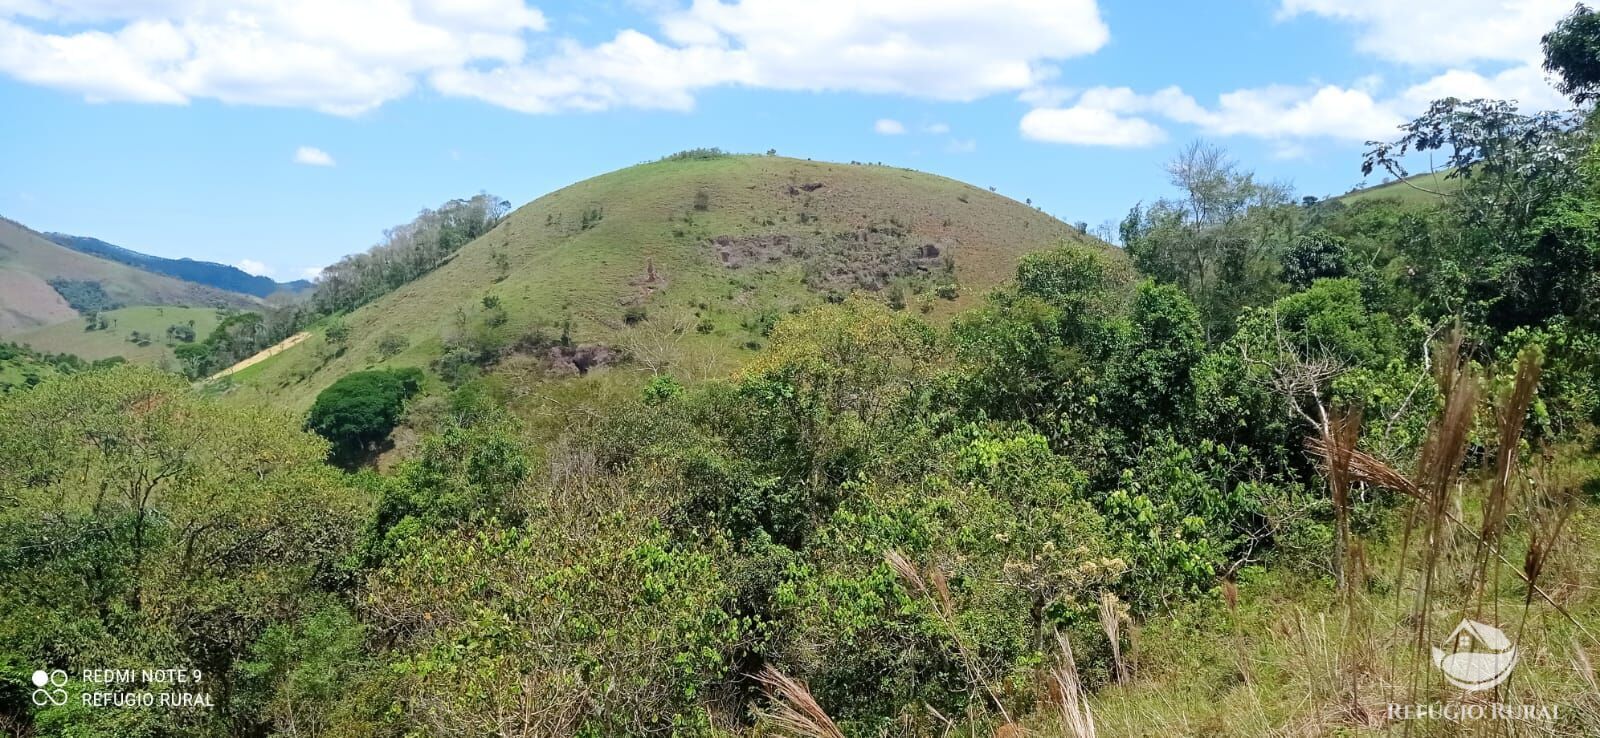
{"type": "Point", "coordinates": [163, 328]}
{"type": "Point", "coordinates": [406, 253]}
{"type": "Point", "coordinates": [702, 153]}
{"type": "Point", "coordinates": [179, 537]}
{"type": "Point", "coordinates": [21, 367]}
{"type": "Point", "coordinates": [234, 337]}
{"type": "Point", "coordinates": [647, 246]}
{"type": "Point", "coordinates": [84, 296]}
{"type": "Point", "coordinates": [1237, 479]}
{"type": "Point", "coordinates": [1418, 190]}
{"type": "Point", "coordinates": [1572, 53]}
{"type": "Point", "coordinates": [360, 409]}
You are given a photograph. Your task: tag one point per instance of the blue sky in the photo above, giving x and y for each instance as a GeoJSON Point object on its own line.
{"type": "Point", "coordinates": [282, 135]}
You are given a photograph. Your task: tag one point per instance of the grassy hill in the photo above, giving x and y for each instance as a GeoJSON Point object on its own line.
{"type": "Point", "coordinates": [138, 334]}
{"type": "Point", "coordinates": [1418, 189]}
{"type": "Point", "coordinates": [683, 263]}
{"type": "Point", "coordinates": [29, 263]}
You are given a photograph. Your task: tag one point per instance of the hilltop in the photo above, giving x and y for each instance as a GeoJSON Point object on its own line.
{"type": "Point", "coordinates": [43, 283]}
{"type": "Point", "coordinates": [1417, 189]}
{"type": "Point", "coordinates": [686, 261]}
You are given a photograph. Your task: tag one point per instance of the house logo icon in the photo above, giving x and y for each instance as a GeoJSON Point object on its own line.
{"type": "Point", "coordinates": [1481, 656]}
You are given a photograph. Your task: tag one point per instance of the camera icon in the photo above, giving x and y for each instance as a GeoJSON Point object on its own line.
{"type": "Point", "coordinates": [43, 696]}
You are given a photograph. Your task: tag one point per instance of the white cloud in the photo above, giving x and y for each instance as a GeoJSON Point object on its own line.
{"type": "Point", "coordinates": [937, 129]}
{"type": "Point", "coordinates": [312, 156]}
{"type": "Point", "coordinates": [338, 57]}
{"type": "Point", "coordinates": [1089, 126]}
{"type": "Point", "coordinates": [1283, 114]}
{"type": "Point", "coordinates": [1441, 33]}
{"type": "Point", "coordinates": [1281, 111]}
{"type": "Point", "coordinates": [311, 273]}
{"type": "Point", "coordinates": [1454, 36]}
{"type": "Point", "coordinates": [888, 127]}
{"type": "Point", "coordinates": [961, 145]}
{"type": "Point", "coordinates": [351, 56]}
{"type": "Point", "coordinates": [947, 49]}
{"type": "Point", "coordinates": [251, 266]}
{"type": "Point", "coordinates": [939, 49]}
{"type": "Point", "coordinates": [1444, 40]}
{"type": "Point", "coordinates": [1524, 84]}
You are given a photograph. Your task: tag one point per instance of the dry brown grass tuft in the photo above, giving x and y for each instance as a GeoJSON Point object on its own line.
{"type": "Point", "coordinates": [1073, 713]}
{"type": "Point", "coordinates": [943, 605]}
{"type": "Point", "coordinates": [794, 711]}
{"type": "Point", "coordinates": [1111, 622]}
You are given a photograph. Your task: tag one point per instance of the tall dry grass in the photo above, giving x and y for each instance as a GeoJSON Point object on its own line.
{"type": "Point", "coordinates": [794, 711]}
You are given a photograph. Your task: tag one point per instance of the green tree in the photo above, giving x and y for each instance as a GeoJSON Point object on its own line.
{"type": "Point", "coordinates": [1572, 53]}
{"type": "Point", "coordinates": [1149, 386]}
{"type": "Point", "coordinates": [359, 410]}
{"type": "Point", "coordinates": [1221, 242]}
{"type": "Point", "coordinates": [391, 344]}
{"type": "Point", "coordinates": [1086, 281]}
{"type": "Point", "coordinates": [195, 360]}
{"type": "Point", "coordinates": [1315, 255]}
{"type": "Point", "coordinates": [176, 537]}
{"type": "Point", "coordinates": [337, 333]}
{"type": "Point", "coordinates": [610, 630]}
{"type": "Point", "coordinates": [1485, 262]}
{"type": "Point", "coordinates": [467, 472]}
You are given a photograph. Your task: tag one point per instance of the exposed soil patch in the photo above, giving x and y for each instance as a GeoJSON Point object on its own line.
{"type": "Point", "coordinates": [738, 251]}
{"type": "Point", "coordinates": [578, 360]}
{"type": "Point", "coordinates": [869, 256]}
{"type": "Point", "coordinates": [651, 282]}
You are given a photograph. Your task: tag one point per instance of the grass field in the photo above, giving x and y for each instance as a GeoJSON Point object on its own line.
{"type": "Point", "coordinates": [586, 254]}
{"type": "Point", "coordinates": [15, 372]}
{"type": "Point", "coordinates": [116, 340]}
{"type": "Point", "coordinates": [1293, 658]}
{"type": "Point", "coordinates": [1418, 189]}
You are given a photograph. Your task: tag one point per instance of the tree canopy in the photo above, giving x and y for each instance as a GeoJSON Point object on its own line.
{"type": "Point", "coordinates": [357, 412]}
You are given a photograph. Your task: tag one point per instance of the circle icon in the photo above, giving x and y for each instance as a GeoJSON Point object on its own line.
{"type": "Point", "coordinates": [45, 697]}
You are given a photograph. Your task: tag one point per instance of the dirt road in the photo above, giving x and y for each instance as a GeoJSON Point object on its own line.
{"type": "Point", "coordinates": [264, 354]}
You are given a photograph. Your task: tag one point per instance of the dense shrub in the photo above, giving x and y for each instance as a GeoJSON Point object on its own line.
{"type": "Point", "coordinates": [85, 296]}
{"type": "Point", "coordinates": [356, 412]}
{"type": "Point", "coordinates": [189, 530]}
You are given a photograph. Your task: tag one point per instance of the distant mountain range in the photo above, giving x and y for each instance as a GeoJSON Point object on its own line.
{"type": "Point", "coordinates": [220, 276]}
{"type": "Point", "coordinates": [41, 279]}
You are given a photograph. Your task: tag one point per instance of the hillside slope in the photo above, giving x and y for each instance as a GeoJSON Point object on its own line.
{"type": "Point", "coordinates": [701, 254]}
{"type": "Point", "coordinates": [142, 334]}
{"type": "Point", "coordinates": [29, 261]}
{"type": "Point", "coordinates": [1418, 189]}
